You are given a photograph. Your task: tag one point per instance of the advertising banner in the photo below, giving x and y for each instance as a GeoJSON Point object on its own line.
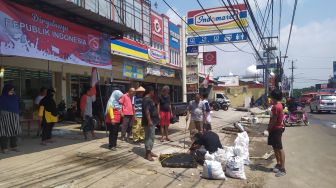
{"type": "Point", "coordinates": [153, 70]}
{"type": "Point", "coordinates": [210, 58]}
{"type": "Point", "coordinates": [199, 21]}
{"type": "Point", "coordinates": [133, 70]}
{"type": "Point", "coordinates": [157, 28]}
{"type": "Point", "coordinates": [167, 72]}
{"type": "Point", "coordinates": [157, 56]}
{"type": "Point", "coordinates": [174, 36]}
{"type": "Point", "coordinates": [30, 33]}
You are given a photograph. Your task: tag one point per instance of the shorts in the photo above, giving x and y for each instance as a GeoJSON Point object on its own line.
{"type": "Point", "coordinates": [274, 138]}
{"type": "Point", "coordinates": [196, 125]}
{"type": "Point", "coordinates": [164, 118]}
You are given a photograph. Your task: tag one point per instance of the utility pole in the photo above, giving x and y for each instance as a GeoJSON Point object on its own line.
{"type": "Point", "coordinates": [269, 50]}
{"type": "Point", "coordinates": [184, 60]}
{"type": "Point", "coordinates": [292, 79]}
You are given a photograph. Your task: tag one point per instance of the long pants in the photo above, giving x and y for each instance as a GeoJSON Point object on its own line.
{"type": "Point", "coordinates": [4, 142]}
{"type": "Point", "coordinates": [149, 137]}
{"type": "Point", "coordinates": [127, 123]}
{"type": "Point", "coordinates": [113, 134]}
{"type": "Point", "coordinates": [138, 130]}
{"type": "Point", "coordinates": [46, 130]}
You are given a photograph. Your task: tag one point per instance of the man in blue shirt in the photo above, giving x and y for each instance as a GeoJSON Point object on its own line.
{"type": "Point", "coordinates": [138, 130]}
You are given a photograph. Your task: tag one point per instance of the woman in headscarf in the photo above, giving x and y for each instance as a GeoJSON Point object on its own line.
{"type": "Point", "coordinates": [9, 118]}
{"type": "Point", "coordinates": [112, 117]}
{"type": "Point", "coordinates": [48, 115]}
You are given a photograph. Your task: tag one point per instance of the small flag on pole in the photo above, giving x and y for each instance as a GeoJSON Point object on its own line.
{"type": "Point", "coordinates": [205, 82]}
{"type": "Point", "coordinates": [94, 76]}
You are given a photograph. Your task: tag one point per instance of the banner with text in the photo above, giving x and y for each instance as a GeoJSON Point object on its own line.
{"type": "Point", "coordinates": [30, 33]}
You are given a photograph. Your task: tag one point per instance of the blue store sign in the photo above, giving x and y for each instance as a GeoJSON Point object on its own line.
{"type": "Point", "coordinates": [221, 38]}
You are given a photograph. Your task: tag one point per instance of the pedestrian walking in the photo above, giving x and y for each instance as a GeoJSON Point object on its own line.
{"type": "Point", "coordinates": [48, 115]}
{"type": "Point", "coordinates": [42, 94]}
{"type": "Point", "coordinates": [9, 119]}
{"type": "Point", "coordinates": [165, 112]}
{"type": "Point", "coordinates": [113, 118]}
{"type": "Point", "coordinates": [207, 112]}
{"type": "Point", "coordinates": [276, 129]}
{"type": "Point", "coordinates": [150, 120]}
{"type": "Point", "coordinates": [127, 114]}
{"type": "Point", "coordinates": [196, 112]}
{"type": "Point", "coordinates": [86, 102]}
{"type": "Point", "coordinates": [138, 130]}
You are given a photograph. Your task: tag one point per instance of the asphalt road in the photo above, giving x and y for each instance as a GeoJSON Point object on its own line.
{"type": "Point", "coordinates": [310, 154]}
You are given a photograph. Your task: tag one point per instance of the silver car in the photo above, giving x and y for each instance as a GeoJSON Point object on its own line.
{"type": "Point", "coordinates": [323, 103]}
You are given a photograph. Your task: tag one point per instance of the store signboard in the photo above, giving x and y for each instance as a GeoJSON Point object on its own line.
{"type": "Point", "coordinates": [210, 58]}
{"type": "Point", "coordinates": [157, 56]}
{"type": "Point", "coordinates": [174, 36]}
{"type": "Point", "coordinates": [133, 70]}
{"type": "Point", "coordinates": [192, 50]}
{"type": "Point", "coordinates": [213, 19]}
{"type": "Point", "coordinates": [153, 70]}
{"type": "Point", "coordinates": [129, 47]}
{"type": "Point", "coordinates": [192, 88]}
{"type": "Point", "coordinates": [30, 33]}
{"type": "Point", "coordinates": [157, 27]}
{"type": "Point", "coordinates": [217, 38]}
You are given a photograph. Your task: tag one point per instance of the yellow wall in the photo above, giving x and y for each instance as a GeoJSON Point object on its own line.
{"type": "Point", "coordinates": [238, 94]}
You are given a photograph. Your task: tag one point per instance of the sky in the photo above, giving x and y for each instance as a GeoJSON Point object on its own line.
{"type": "Point", "coordinates": [312, 46]}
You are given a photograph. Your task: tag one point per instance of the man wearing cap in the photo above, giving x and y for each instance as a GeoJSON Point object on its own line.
{"type": "Point", "coordinates": [138, 130]}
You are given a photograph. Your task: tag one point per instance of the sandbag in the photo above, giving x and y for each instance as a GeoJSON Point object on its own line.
{"type": "Point", "coordinates": [241, 147]}
{"type": "Point", "coordinates": [235, 168]}
{"type": "Point", "coordinates": [209, 157]}
{"type": "Point", "coordinates": [213, 170]}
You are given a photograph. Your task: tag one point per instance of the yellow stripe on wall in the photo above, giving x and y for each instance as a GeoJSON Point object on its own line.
{"type": "Point", "coordinates": [128, 51]}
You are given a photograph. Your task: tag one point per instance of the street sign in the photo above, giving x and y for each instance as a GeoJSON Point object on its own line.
{"type": "Point", "coordinates": [209, 58]}
{"type": "Point", "coordinates": [270, 66]}
{"type": "Point", "coordinates": [219, 38]}
{"type": "Point", "coordinates": [191, 50]}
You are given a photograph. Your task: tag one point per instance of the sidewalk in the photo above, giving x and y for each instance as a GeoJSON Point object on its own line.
{"type": "Point", "coordinates": [73, 162]}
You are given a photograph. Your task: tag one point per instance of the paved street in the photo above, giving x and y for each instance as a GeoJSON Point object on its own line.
{"type": "Point", "coordinates": [310, 155]}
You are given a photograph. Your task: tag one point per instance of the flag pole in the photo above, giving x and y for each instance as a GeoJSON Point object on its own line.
{"type": "Point", "coordinates": [101, 101]}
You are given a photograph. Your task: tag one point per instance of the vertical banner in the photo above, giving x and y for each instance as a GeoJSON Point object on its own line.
{"type": "Point", "coordinates": [27, 32]}
{"type": "Point", "coordinates": [157, 27]}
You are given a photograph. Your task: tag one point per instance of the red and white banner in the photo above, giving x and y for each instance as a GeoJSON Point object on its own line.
{"type": "Point", "coordinates": [30, 33]}
{"type": "Point", "coordinates": [157, 28]}
{"type": "Point", "coordinates": [210, 58]}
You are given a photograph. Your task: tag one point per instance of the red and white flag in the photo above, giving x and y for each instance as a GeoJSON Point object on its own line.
{"type": "Point", "coordinates": [205, 82]}
{"type": "Point", "coordinates": [94, 76]}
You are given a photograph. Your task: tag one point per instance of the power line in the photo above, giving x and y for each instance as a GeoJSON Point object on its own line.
{"type": "Point", "coordinates": [260, 13]}
{"type": "Point", "coordinates": [279, 27]}
{"type": "Point", "coordinates": [290, 31]}
{"type": "Point", "coordinates": [194, 30]}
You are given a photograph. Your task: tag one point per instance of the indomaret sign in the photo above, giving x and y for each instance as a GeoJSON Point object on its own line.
{"type": "Point", "coordinates": [202, 21]}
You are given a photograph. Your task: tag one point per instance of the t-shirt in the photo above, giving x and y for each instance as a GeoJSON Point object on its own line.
{"type": "Point", "coordinates": [148, 104]}
{"type": "Point", "coordinates": [38, 99]}
{"type": "Point", "coordinates": [210, 141]}
{"type": "Point", "coordinates": [277, 110]}
{"type": "Point", "coordinates": [137, 102]}
{"type": "Point", "coordinates": [164, 103]}
{"type": "Point", "coordinates": [196, 110]}
{"type": "Point", "coordinates": [126, 103]}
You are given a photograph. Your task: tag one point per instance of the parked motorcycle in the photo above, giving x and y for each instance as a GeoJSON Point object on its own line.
{"type": "Point", "coordinates": [297, 117]}
{"type": "Point", "coordinates": [223, 105]}
{"type": "Point", "coordinates": [215, 105]}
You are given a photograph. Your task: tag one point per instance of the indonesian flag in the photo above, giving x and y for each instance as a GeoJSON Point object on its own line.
{"type": "Point", "coordinates": [205, 82]}
{"type": "Point", "coordinates": [94, 76]}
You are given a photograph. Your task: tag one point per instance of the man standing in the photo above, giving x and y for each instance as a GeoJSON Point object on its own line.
{"type": "Point", "coordinates": [42, 94]}
{"type": "Point", "coordinates": [275, 129]}
{"type": "Point", "coordinates": [127, 112]}
{"type": "Point", "coordinates": [86, 101]}
{"type": "Point", "coordinates": [138, 130]}
{"type": "Point", "coordinates": [165, 112]}
{"type": "Point", "coordinates": [196, 111]}
{"type": "Point", "coordinates": [150, 119]}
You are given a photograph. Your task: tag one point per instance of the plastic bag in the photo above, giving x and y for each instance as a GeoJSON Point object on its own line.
{"type": "Point", "coordinates": [213, 170]}
{"type": "Point", "coordinates": [209, 157]}
{"type": "Point", "coordinates": [235, 168]}
{"type": "Point", "coordinates": [241, 147]}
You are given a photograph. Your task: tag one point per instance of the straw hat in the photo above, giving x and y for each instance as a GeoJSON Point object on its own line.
{"type": "Point", "coordinates": [140, 89]}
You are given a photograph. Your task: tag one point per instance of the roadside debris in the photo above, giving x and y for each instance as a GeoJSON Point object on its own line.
{"type": "Point", "coordinates": [178, 160]}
